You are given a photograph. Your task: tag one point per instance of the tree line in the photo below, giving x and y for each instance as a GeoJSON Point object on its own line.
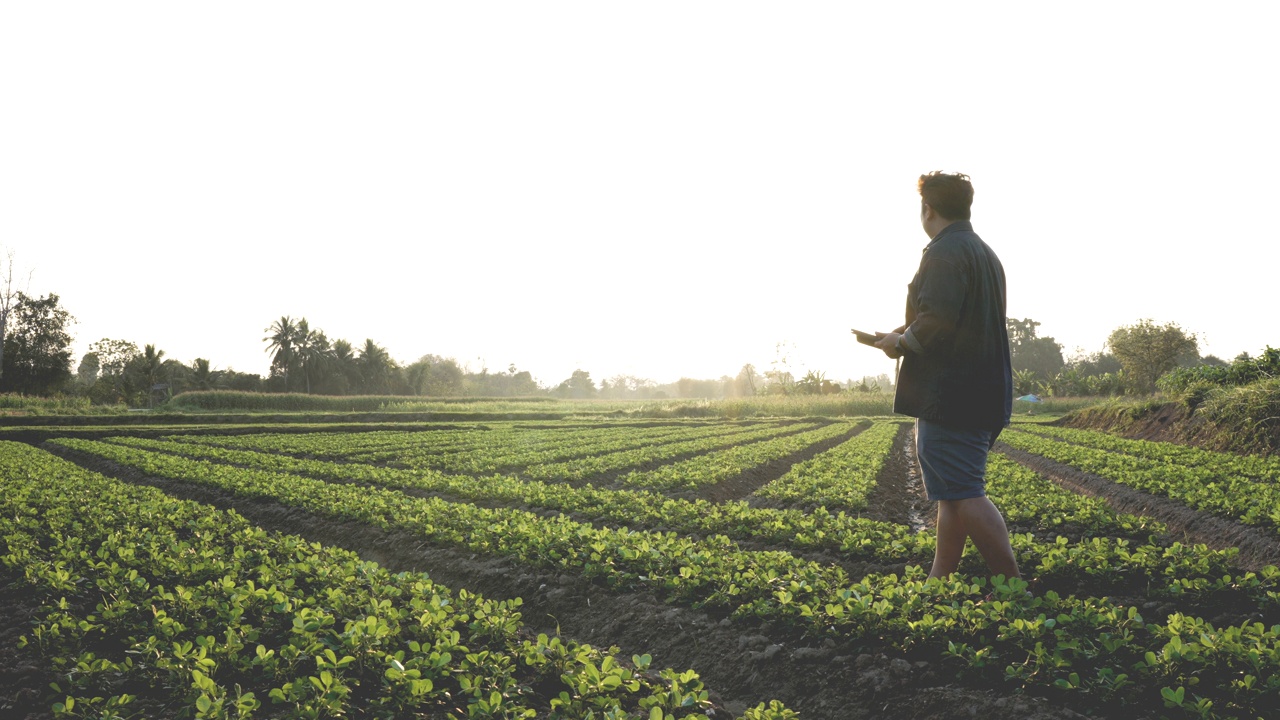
{"type": "Point", "coordinates": [303, 359]}
{"type": "Point", "coordinates": [36, 360]}
{"type": "Point", "coordinates": [1136, 356]}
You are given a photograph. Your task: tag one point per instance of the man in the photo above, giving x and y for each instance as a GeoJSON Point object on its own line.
{"type": "Point", "coordinates": [956, 378]}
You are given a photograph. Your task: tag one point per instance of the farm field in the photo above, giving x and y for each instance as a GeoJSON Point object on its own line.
{"type": "Point", "coordinates": [624, 568]}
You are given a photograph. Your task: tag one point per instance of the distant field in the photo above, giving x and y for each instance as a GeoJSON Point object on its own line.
{"type": "Point", "coordinates": [233, 406]}
{"type": "Point", "coordinates": [779, 559]}
{"type": "Point", "coordinates": [841, 405]}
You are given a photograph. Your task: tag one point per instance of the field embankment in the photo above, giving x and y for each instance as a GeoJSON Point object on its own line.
{"type": "Point", "coordinates": [1242, 419]}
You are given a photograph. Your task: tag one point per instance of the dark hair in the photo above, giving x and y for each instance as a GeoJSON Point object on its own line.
{"type": "Point", "coordinates": [950, 195]}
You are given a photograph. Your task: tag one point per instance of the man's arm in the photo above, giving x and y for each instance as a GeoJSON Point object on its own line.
{"type": "Point", "coordinates": [938, 302]}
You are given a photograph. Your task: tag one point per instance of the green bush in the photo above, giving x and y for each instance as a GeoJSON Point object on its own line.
{"type": "Point", "coordinates": [1242, 371]}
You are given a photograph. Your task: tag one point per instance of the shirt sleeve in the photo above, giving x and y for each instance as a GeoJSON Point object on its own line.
{"type": "Point", "coordinates": [939, 299]}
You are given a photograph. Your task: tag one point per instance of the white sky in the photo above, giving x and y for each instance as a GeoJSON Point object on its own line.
{"type": "Point", "coordinates": [658, 189]}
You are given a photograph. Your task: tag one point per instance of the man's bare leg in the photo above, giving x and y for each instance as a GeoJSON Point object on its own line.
{"type": "Point", "coordinates": [973, 518]}
{"type": "Point", "coordinates": [951, 537]}
{"type": "Point", "coordinates": [985, 525]}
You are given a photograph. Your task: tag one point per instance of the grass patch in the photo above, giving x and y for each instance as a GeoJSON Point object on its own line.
{"type": "Point", "coordinates": [1119, 413]}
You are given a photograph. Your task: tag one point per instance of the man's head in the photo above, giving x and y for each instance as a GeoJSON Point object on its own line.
{"type": "Point", "coordinates": [944, 199]}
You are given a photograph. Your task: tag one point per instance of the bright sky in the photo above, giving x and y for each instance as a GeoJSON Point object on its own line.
{"type": "Point", "coordinates": [658, 189]}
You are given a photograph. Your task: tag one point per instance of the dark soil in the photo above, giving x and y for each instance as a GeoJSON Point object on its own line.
{"type": "Point", "coordinates": [743, 663]}
{"type": "Point", "coordinates": [22, 682]}
{"type": "Point", "coordinates": [899, 493]}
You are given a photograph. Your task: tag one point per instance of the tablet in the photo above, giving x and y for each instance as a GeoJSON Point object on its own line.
{"type": "Point", "coordinates": [865, 338]}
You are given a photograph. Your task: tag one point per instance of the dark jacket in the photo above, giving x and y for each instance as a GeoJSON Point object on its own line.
{"type": "Point", "coordinates": [955, 365]}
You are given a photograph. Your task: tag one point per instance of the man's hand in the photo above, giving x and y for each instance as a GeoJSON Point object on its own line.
{"type": "Point", "coordinates": [888, 342]}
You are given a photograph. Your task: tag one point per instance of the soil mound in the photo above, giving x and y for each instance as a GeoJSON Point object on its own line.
{"type": "Point", "coordinates": [1169, 422]}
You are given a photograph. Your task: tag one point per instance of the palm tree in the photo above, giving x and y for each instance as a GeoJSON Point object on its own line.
{"type": "Point", "coordinates": [203, 376]}
{"type": "Point", "coordinates": [346, 364]}
{"type": "Point", "coordinates": [313, 351]}
{"type": "Point", "coordinates": [151, 363]}
{"type": "Point", "coordinates": [375, 365]}
{"type": "Point", "coordinates": [283, 339]}
{"type": "Point", "coordinates": [152, 366]}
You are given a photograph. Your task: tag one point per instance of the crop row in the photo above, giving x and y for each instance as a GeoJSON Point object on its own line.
{"type": "Point", "coordinates": [840, 478]}
{"type": "Point", "coordinates": [1026, 497]}
{"type": "Point", "coordinates": [558, 453]}
{"type": "Point", "coordinates": [1100, 563]}
{"type": "Point", "coordinates": [381, 445]}
{"type": "Point", "coordinates": [713, 467]}
{"type": "Point", "coordinates": [573, 449]}
{"type": "Point", "coordinates": [337, 444]}
{"type": "Point", "coordinates": [1234, 496]}
{"type": "Point", "coordinates": [1086, 647]}
{"type": "Point", "coordinates": [1253, 466]}
{"type": "Point", "coordinates": [858, 538]}
{"type": "Point", "coordinates": [145, 593]}
{"type": "Point", "coordinates": [423, 453]}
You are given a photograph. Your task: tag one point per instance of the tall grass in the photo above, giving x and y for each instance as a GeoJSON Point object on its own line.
{"type": "Point", "coordinates": [1249, 414]}
{"type": "Point", "coordinates": [15, 404]}
{"type": "Point", "coordinates": [1058, 405]}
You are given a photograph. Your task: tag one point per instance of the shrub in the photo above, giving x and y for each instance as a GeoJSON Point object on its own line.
{"type": "Point", "coordinates": [1242, 371]}
{"type": "Point", "coordinates": [1250, 413]}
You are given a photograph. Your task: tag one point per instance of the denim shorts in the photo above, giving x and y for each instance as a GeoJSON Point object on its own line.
{"type": "Point", "coordinates": [953, 462]}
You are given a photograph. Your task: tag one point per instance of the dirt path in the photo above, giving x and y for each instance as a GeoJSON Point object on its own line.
{"type": "Point", "coordinates": [1257, 547]}
{"type": "Point", "coordinates": [898, 496]}
{"type": "Point", "coordinates": [743, 663]}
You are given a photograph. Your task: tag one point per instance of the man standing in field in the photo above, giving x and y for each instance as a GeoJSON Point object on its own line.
{"type": "Point", "coordinates": [956, 378]}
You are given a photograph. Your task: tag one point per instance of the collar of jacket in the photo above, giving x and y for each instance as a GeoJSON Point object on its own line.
{"type": "Point", "coordinates": [957, 226]}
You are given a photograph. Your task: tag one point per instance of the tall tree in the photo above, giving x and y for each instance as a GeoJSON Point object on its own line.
{"type": "Point", "coordinates": [37, 354]}
{"type": "Point", "coordinates": [8, 301]}
{"type": "Point", "coordinates": [346, 375]}
{"type": "Point", "coordinates": [1147, 351]}
{"type": "Point", "coordinates": [282, 343]}
{"type": "Point", "coordinates": [313, 352]}
{"type": "Point", "coordinates": [151, 370]}
{"type": "Point", "coordinates": [436, 376]}
{"type": "Point", "coordinates": [117, 380]}
{"type": "Point", "coordinates": [1041, 356]}
{"type": "Point", "coordinates": [203, 376]}
{"type": "Point", "coordinates": [152, 363]}
{"type": "Point", "coordinates": [578, 385]}
{"type": "Point", "coordinates": [375, 367]}
{"type": "Point", "coordinates": [744, 385]}
{"type": "Point", "coordinates": [87, 372]}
